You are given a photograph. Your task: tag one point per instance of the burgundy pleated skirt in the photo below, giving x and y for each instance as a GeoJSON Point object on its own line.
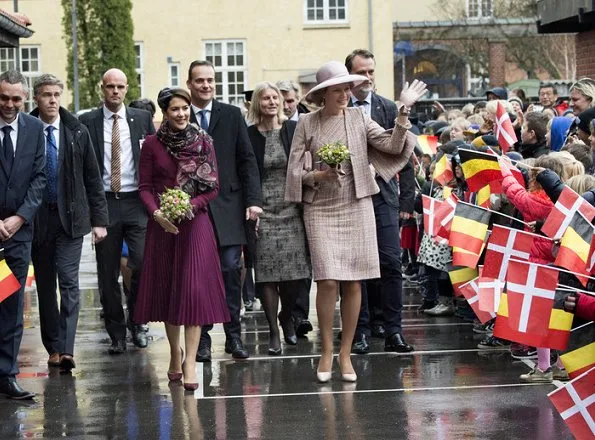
{"type": "Point", "coordinates": [181, 281]}
{"type": "Point", "coordinates": [410, 238]}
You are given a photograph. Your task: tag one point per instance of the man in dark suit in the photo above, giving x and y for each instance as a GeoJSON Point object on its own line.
{"type": "Point", "coordinates": [383, 299]}
{"type": "Point", "coordinates": [117, 133]}
{"type": "Point", "coordinates": [22, 183]}
{"type": "Point", "coordinates": [73, 205]}
{"type": "Point", "coordinates": [239, 194]}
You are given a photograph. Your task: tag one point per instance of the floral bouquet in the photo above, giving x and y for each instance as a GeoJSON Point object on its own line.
{"type": "Point", "coordinates": [333, 154]}
{"type": "Point", "coordinates": [175, 205]}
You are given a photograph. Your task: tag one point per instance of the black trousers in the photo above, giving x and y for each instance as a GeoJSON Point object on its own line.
{"type": "Point", "coordinates": [301, 309]}
{"type": "Point", "coordinates": [53, 255]}
{"type": "Point", "coordinates": [389, 289]}
{"type": "Point", "coordinates": [17, 255]}
{"type": "Point", "coordinates": [127, 221]}
{"type": "Point", "coordinates": [231, 270]}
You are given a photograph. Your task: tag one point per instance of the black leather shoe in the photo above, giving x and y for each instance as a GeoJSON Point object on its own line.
{"type": "Point", "coordinates": [139, 337]}
{"type": "Point", "coordinates": [302, 328]}
{"type": "Point", "coordinates": [11, 389]}
{"type": "Point", "coordinates": [204, 353]}
{"type": "Point", "coordinates": [378, 331]}
{"type": "Point", "coordinates": [396, 342]}
{"type": "Point", "coordinates": [117, 347]}
{"type": "Point", "coordinates": [360, 344]}
{"type": "Point", "coordinates": [288, 329]}
{"type": "Point", "coordinates": [236, 349]}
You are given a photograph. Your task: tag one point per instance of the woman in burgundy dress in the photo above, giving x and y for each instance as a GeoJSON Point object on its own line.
{"type": "Point", "coordinates": [181, 281]}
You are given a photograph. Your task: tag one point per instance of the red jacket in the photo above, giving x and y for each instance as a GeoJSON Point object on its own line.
{"type": "Point", "coordinates": [534, 206]}
{"type": "Point", "coordinates": [585, 306]}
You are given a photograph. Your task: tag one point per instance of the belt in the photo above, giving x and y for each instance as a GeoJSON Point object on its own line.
{"type": "Point", "coordinates": [122, 195]}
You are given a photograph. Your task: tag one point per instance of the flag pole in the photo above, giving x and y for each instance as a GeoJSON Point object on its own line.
{"type": "Point", "coordinates": [497, 213]}
{"type": "Point", "coordinates": [558, 269]}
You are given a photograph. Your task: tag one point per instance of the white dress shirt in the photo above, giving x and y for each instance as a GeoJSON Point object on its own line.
{"type": "Point", "coordinates": [13, 134]}
{"type": "Point", "coordinates": [129, 178]}
{"type": "Point", "coordinates": [209, 110]}
{"type": "Point", "coordinates": [368, 103]}
{"type": "Point", "coordinates": [295, 116]}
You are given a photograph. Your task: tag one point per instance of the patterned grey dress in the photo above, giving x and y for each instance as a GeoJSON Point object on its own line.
{"type": "Point", "coordinates": [281, 249]}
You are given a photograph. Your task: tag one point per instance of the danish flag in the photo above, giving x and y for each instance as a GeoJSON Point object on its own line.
{"type": "Point", "coordinates": [531, 290]}
{"type": "Point", "coordinates": [504, 130]}
{"type": "Point", "coordinates": [470, 291]}
{"type": "Point", "coordinates": [444, 215]}
{"type": "Point", "coordinates": [490, 291]}
{"type": "Point", "coordinates": [504, 244]}
{"type": "Point", "coordinates": [575, 402]}
{"type": "Point", "coordinates": [430, 205]}
{"type": "Point", "coordinates": [568, 203]}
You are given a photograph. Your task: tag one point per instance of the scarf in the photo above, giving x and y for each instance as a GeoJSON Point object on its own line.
{"type": "Point", "coordinates": [193, 152]}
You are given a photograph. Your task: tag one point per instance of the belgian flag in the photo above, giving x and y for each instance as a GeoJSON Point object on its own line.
{"type": "Point", "coordinates": [575, 246]}
{"type": "Point", "coordinates": [8, 282]}
{"type": "Point", "coordinates": [580, 354]}
{"type": "Point", "coordinates": [443, 170]}
{"type": "Point", "coordinates": [460, 275]}
{"type": "Point", "coordinates": [469, 227]}
{"type": "Point", "coordinates": [557, 334]}
{"type": "Point", "coordinates": [479, 168]}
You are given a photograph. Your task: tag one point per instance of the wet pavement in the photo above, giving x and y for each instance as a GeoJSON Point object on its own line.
{"type": "Point", "coordinates": [446, 389]}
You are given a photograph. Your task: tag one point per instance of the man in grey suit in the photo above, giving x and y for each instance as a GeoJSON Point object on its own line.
{"type": "Point", "coordinates": [73, 205]}
{"type": "Point", "coordinates": [239, 196]}
{"type": "Point", "coordinates": [117, 133]}
{"type": "Point", "coordinates": [22, 183]}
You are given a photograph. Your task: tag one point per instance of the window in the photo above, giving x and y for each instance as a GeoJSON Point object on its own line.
{"type": "Point", "coordinates": [174, 74]}
{"type": "Point", "coordinates": [139, 66]}
{"type": "Point", "coordinates": [30, 67]}
{"type": "Point", "coordinates": [229, 58]}
{"type": "Point", "coordinates": [325, 11]}
{"type": "Point", "coordinates": [480, 8]}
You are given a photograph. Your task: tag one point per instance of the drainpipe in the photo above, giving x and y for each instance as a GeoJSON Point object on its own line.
{"type": "Point", "coordinates": [370, 27]}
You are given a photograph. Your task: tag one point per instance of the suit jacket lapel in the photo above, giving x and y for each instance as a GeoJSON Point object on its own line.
{"type": "Point", "coordinates": [377, 111]}
{"type": "Point", "coordinates": [21, 145]}
{"type": "Point", "coordinates": [135, 135]}
{"type": "Point", "coordinates": [215, 116]}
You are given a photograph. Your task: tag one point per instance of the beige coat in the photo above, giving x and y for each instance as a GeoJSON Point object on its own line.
{"type": "Point", "coordinates": [369, 144]}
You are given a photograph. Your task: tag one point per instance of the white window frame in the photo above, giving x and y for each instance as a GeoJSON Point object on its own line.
{"type": "Point", "coordinates": [480, 9]}
{"type": "Point", "coordinates": [326, 14]}
{"type": "Point", "coordinates": [224, 69]}
{"type": "Point", "coordinates": [8, 55]}
{"type": "Point", "coordinates": [171, 65]}
{"type": "Point", "coordinates": [140, 71]}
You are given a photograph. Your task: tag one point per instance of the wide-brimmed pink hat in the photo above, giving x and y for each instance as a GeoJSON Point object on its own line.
{"type": "Point", "coordinates": [333, 73]}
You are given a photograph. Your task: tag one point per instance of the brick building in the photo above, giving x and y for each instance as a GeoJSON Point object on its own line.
{"type": "Point", "coordinates": [563, 16]}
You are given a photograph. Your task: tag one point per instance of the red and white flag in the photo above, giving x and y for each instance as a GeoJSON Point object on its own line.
{"type": "Point", "coordinates": [444, 215]}
{"type": "Point", "coordinates": [490, 291]}
{"type": "Point", "coordinates": [531, 290]}
{"type": "Point", "coordinates": [430, 205]}
{"type": "Point", "coordinates": [504, 130]}
{"type": "Point", "coordinates": [575, 402]}
{"type": "Point", "coordinates": [560, 217]}
{"type": "Point", "coordinates": [504, 244]}
{"type": "Point", "coordinates": [470, 291]}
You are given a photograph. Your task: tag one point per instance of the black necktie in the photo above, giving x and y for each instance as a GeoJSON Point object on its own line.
{"type": "Point", "coordinates": [8, 148]}
{"type": "Point", "coordinates": [360, 103]}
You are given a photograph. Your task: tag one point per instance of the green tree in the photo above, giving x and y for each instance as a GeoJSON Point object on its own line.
{"type": "Point", "coordinates": [105, 40]}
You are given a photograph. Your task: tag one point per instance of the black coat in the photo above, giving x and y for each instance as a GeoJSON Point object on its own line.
{"type": "Point", "coordinates": [21, 190]}
{"type": "Point", "coordinates": [81, 199]}
{"type": "Point", "coordinates": [239, 182]}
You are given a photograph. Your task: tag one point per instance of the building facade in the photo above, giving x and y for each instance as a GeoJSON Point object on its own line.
{"type": "Point", "coordinates": [248, 41]}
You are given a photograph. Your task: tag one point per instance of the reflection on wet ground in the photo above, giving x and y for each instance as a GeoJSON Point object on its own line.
{"type": "Point", "coordinates": [446, 389]}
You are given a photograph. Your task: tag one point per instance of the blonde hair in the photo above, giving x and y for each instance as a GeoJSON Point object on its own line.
{"type": "Point", "coordinates": [255, 112]}
{"type": "Point", "coordinates": [461, 123]}
{"type": "Point", "coordinates": [570, 166]}
{"type": "Point", "coordinates": [492, 106]}
{"type": "Point", "coordinates": [476, 118]}
{"type": "Point", "coordinates": [581, 183]}
{"type": "Point", "coordinates": [468, 110]}
{"type": "Point", "coordinates": [586, 87]}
